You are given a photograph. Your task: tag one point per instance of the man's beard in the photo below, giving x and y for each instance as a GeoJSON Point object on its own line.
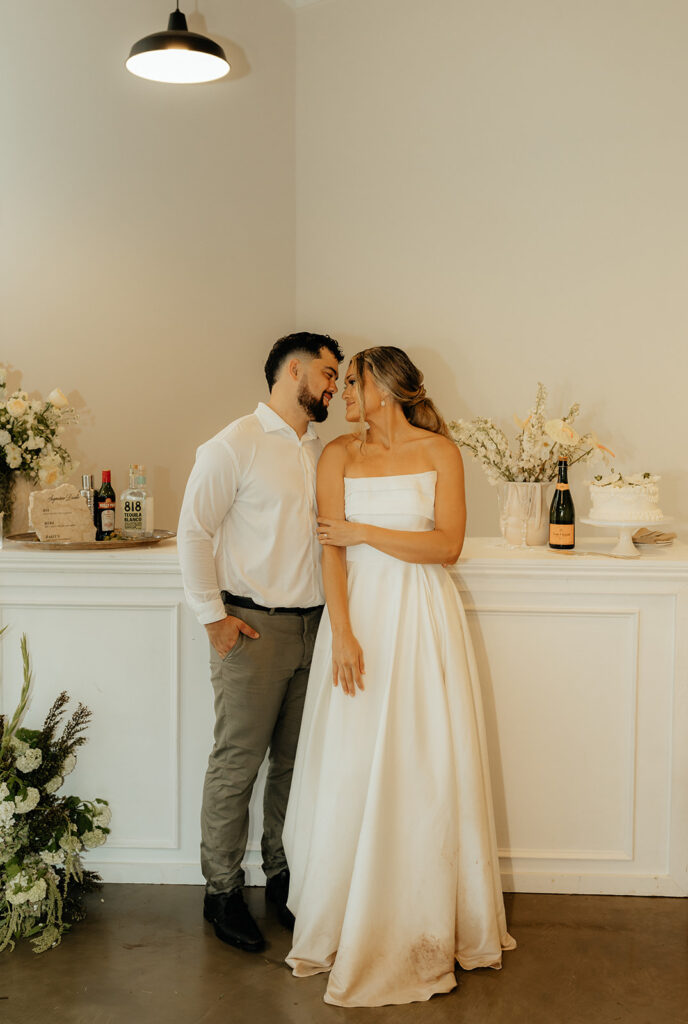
{"type": "Point", "coordinates": [315, 407]}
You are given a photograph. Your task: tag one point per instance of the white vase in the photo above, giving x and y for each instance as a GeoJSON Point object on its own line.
{"type": "Point", "coordinates": [20, 511]}
{"type": "Point", "coordinates": [524, 513]}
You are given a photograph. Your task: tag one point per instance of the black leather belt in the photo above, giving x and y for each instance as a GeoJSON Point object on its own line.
{"type": "Point", "coordinates": [246, 602]}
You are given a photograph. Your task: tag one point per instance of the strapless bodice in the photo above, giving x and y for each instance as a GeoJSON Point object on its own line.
{"type": "Point", "coordinates": [404, 502]}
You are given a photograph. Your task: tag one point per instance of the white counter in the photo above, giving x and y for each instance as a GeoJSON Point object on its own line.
{"type": "Point", "coordinates": [584, 670]}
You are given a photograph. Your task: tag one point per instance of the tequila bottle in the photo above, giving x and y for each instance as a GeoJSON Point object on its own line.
{"type": "Point", "coordinates": [136, 503]}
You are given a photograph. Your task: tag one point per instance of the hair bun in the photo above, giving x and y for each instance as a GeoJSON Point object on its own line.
{"type": "Point", "coordinates": [416, 398]}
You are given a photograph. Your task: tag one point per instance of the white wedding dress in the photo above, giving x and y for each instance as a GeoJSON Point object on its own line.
{"type": "Point", "coordinates": [389, 833]}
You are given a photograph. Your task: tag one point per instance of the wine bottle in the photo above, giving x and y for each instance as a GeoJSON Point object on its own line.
{"type": "Point", "coordinates": [562, 517]}
{"type": "Point", "coordinates": [105, 508]}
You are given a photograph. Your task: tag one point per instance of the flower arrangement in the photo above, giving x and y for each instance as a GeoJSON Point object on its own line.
{"type": "Point", "coordinates": [30, 431]}
{"type": "Point", "coordinates": [42, 835]}
{"type": "Point", "coordinates": [541, 442]}
{"type": "Point", "coordinates": [615, 479]}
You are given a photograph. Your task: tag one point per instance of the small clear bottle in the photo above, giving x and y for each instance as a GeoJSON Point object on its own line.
{"type": "Point", "coordinates": [136, 501]}
{"type": "Point", "coordinates": [88, 492]}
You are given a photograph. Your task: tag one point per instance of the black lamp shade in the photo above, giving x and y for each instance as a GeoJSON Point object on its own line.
{"type": "Point", "coordinates": [177, 55]}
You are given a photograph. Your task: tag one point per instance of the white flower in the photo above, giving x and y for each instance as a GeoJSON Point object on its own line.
{"type": "Point", "coordinates": [23, 889]}
{"type": "Point", "coordinates": [562, 433]}
{"type": "Point", "coordinates": [16, 406]}
{"type": "Point", "coordinates": [52, 785]}
{"type": "Point", "coordinates": [641, 479]}
{"type": "Point", "coordinates": [70, 843]}
{"type": "Point", "coordinates": [29, 802]}
{"type": "Point", "coordinates": [103, 817]}
{"type": "Point", "coordinates": [13, 456]}
{"type": "Point", "coordinates": [4, 790]}
{"type": "Point", "coordinates": [615, 479]}
{"type": "Point", "coordinates": [94, 838]}
{"type": "Point", "coordinates": [30, 760]}
{"type": "Point", "coordinates": [48, 857]}
{"type": "Point", "coordinates": [68, 764]}
{"type": "Point", "coordinates": [7, 809]}
{"type": "Point", "coordinates": [49, 468]}
{"type": "Point", "coordinates": [48, 475]}
{"type": "Point", "coordinates": [606, 452]}
{"type": "Point", "coordinates": [37, 891]}
{"type": "Point", "coordinates": [33, 443]}
{"type": "Point", "coordinates": [16, 898]}
{"type": "Point", "coordinates": [58, 399]}
{"type": "Point", "coordinates": [16, 890]}
{"type": "Point", "coordinates": [5, 437]}
{"type": "Point", "coordinates": [9, 846]}
{"type": "Point", "coordinates": [610, 480]}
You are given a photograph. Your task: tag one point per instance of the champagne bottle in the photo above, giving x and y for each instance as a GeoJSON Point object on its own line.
{"type": "Point", "coordinates": [562, 517]}
{"type": "Point", "coordinates": [105, 508]}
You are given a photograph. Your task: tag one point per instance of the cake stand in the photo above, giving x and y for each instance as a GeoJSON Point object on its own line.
{"type": "Point", "coordinates": [625, 547]}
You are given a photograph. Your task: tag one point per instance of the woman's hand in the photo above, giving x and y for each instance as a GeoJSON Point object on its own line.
{"type": "Point", "coordinates": [339, 533]}
{"type": "Point", "coordinates": [347, 662]}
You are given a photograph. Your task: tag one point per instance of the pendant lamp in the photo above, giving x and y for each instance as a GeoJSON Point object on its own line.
{"type": "Point", "coordinates": [177, 55]}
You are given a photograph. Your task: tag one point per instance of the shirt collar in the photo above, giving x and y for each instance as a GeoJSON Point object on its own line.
{"type": "Point", "coordinates": [270, 421]}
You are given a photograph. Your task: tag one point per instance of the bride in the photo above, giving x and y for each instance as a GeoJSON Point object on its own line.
{"type": "Point", "coordinates": [389, 831]}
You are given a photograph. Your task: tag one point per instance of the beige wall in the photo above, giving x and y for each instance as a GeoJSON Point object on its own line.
{"type": "Point", "coordinates": [500, 188]}
{"type": "Point", "coordinates": [147, 236]}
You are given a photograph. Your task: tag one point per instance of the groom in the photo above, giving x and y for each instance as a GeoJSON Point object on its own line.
{"type": "Point", "coordinates": [250, 561]}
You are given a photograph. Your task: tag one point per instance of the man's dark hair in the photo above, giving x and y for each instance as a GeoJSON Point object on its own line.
{"type": "Point", "coordinates": [303, 342]}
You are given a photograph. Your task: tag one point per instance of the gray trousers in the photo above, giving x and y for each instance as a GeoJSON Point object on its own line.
{"type": "Point", "coordinates": [259, 687]}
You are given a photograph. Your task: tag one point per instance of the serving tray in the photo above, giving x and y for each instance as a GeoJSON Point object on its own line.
{"type": "Point", "coordinates": [30, 540]}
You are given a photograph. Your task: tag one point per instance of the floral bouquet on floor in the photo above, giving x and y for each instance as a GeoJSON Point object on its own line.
{"type": "Point", "coordinates": [540, 443]}
{"type": "Point", "coordinates": [30, 432]}
{"type": "Point", "coordinates": [42, 835]}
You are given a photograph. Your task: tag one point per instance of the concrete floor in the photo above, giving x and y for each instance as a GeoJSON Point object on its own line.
{"type": "Point", "coordinates": [144, 954]}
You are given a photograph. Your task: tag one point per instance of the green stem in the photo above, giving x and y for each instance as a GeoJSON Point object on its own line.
{"type": "Point", "coordinates": [10, 729]}
{"type": "Point", "coordinates": [484, 458]}
{"type": "Point", "coordinates": [8, 478]}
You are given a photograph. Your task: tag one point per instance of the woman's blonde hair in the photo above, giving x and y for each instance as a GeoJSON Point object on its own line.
{"type": "Point", "coordinates": [393, 372]}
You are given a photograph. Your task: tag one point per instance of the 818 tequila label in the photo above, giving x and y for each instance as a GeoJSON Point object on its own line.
{"type": "Point", "coordinates": [133, 514]}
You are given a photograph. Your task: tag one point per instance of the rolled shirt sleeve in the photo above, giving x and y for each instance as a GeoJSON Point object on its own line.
{"type": "Point", "coordinates": [209, 495]}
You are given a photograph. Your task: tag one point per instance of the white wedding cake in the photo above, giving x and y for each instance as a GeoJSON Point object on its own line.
{"type": "Point", "coordinates": [625, 499]}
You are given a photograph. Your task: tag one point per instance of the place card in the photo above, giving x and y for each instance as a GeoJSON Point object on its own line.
{"type": "Point", "coordinates": [61, 515]}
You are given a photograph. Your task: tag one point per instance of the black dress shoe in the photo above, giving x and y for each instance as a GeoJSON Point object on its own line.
{"type": "Point", "coordinates": [232, 920]}
{"type": "Point", "coordinates": [276, 891]}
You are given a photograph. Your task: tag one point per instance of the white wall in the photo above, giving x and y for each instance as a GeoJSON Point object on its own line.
{"type": "Point", "coordinates": [147, 230]}
{"type": "Point", "coordinates": [500, 188]}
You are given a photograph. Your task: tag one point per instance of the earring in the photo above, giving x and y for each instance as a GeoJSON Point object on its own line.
{"type": "Point", "coordinates": [382, 403]}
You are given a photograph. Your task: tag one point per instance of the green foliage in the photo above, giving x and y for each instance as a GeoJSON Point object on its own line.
{"type": "Point", "coordinates": [42, 834]}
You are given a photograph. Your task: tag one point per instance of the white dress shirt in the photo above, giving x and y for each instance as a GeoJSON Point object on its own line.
{"type": "Point", "coordinates": [248, 519]}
